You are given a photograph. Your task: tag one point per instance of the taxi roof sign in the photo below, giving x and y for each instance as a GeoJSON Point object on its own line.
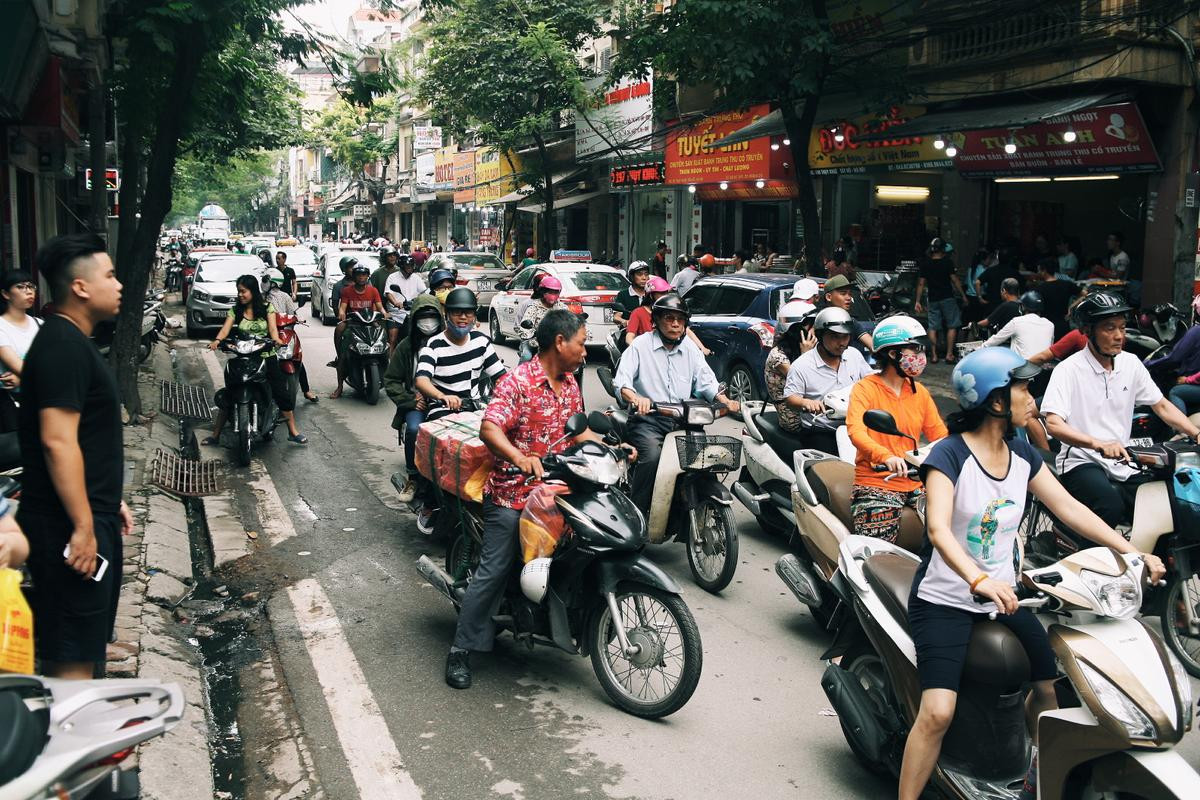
{"type": "Point", "coordinates": [560, 256]}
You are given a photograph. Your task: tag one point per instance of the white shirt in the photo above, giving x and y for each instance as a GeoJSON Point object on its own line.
{"type": "Point", "coordinates": [1099, 403]}
{"type": "Point", "coordinates": [18, 338]}
{"type": "Point", "coordinates": [684, 279]}
{"type": "Point", "coordinates": [404, 288]}
{"type": "Point", "coordinates": [1027, 335]}
{"type": "Point", "coordinates": [812, 378]}
{"type": "Point", "coordinates": [1118, 262]}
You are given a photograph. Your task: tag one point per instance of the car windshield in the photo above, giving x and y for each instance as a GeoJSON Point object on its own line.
{"type": "Point", "coordinates": [597, 281]}
{"type": "Point", "coordinates": [297, 256]}
{"type": "Point", "coordinates": [476, 261]}
{"type": "Point", "coordinates": [226, 270]}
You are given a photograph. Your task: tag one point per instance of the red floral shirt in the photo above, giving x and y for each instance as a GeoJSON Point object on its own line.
{"type": "Point", "coordinates": [532, 416]}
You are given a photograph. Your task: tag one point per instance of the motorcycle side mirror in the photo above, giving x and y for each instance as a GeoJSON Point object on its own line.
{"type": "Point", "coordinates": [883, 422]}
{"type": "Point", "coordinates": [502, 286]}
{"type": "Point", "coordinates": [576, 424]}
{"type": "Point", "coordinates": [599, 422]}
{"type": "Point", "coordinates": [527, 324]}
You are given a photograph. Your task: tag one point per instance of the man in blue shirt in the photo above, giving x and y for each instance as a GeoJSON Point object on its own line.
{"type": "Point", "coordinates": [661, 367]}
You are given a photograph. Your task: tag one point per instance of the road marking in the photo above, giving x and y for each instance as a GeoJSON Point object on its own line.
{"type": "Point", "coordinates": [271, 512]}
{"type": "Point", "coordinates": [366, 742]}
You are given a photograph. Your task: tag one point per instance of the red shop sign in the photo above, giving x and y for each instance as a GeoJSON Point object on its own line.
{"type": "Point", "coordinates": [692, 158]}
{"type": "Point", "coordinates": [640, 175]}
{"type": "Point", "coordinates": [1107, 139]}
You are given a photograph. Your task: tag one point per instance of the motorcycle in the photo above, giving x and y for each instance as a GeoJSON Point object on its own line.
{"type": "Point", "coordinates": [254, 414]}
{"type": "Point", "coordinates": [154, 322]}
{"type": "Point", "coordinates": [173, 279]}
{"type": "Point", "coordinates": [67, 739]}
{"type": "Point", "coordinates": [1163, 525]}
{"type": "Point", "coordinates": [1157, 332]}
{"type": "Point", "coordinates": [602, 597]}
{"type": "Point", "coordinates": [365, 352]}
{"type": "Point", "coordinates": [820, 500]}
{"type": "Point", "coordinates": [291, 354]}
{"type": "Point", "coordinates": [1125, 701]}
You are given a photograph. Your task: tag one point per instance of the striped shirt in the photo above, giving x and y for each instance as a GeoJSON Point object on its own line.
{"type": "Point", "coordinates": [456, 369]}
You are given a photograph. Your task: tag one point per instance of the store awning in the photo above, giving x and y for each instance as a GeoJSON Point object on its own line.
{"type": "Point", "coordinates": [527, 189]}
{"type": "Point", "coordinates": [563, 202]}
{"type": "Point", "coordinates": [1013, 115]}
{"type": "Point", "coordinates": [769, 125]}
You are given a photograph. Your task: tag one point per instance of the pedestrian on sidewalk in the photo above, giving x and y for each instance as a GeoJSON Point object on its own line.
{"type": "Point", "coordinates": [72, 453]}
{"type": "Point", "coordinates": [18, 293]}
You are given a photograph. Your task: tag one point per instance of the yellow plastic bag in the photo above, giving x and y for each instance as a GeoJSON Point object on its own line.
{"type": "Point", "coordinates": [16, 625]}
{"type": "Point", "coordinates": [542, 524]}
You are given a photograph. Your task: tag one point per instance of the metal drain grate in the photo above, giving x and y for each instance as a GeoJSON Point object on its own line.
{"type": "Point", "coordinates": [185, 402]}
{"type": "Point", "coordinates": [184, 476]}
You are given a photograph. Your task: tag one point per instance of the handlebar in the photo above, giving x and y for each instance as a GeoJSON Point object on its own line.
{"type": "Point", "coordinates": [912, 474]}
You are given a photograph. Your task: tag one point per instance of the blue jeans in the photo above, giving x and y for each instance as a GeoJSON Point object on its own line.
{"type": "Point", "coordinates": [412, 421]}
{"type": "Point", "coordinates": [1185, 396]}
{"type": "Point", "coordinates": [476, 631]}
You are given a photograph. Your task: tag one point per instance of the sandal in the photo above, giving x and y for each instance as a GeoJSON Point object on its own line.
{"type": "Point", "coordinates": [299, 438]}
{"type": "Point", "coordinates": [312, 397]}
{"type": "Point", "coordinates": [210, 441]}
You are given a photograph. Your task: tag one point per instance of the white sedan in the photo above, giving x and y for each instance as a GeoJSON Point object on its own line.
{"type": "Point", "coordinates": [589, 289]}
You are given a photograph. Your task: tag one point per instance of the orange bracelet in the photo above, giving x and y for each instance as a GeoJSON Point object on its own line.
{"type": "Point", "coordinates": [982, 577]}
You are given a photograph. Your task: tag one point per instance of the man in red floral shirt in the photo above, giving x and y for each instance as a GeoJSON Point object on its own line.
{"type": "Point", "coordinates": [528, 411]}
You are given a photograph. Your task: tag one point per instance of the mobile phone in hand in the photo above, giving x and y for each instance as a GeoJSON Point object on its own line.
{"type": "Point", "coordinates": [101, 566]}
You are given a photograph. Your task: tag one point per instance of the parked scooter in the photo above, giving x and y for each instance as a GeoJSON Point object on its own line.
{"type": "Point", "coordinates": [1163, 525]}
{"type": "Point", "coordinates": [1158, 331]}
{"type": "Point", "coordinates": [291, 354]}
{"type": "Point", "coordinates": [1125, 699]}
{"type": "Point", "coordinates": [154, 322]}
{"type": "Point", "coordinates": [366, 353]}
{"type": "Point", "coordinates": [598, 595]}
{"type": "Point", "coordinates": [67, 739]}
{"type": "Point", "coordinates": [254, 414]}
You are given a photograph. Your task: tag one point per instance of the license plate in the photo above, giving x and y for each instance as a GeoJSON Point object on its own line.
{"type": "Point", "coordinates": [1141, 441]}
{"type": "Point", "coordinates": [608, 314]}
{"type": "Point", "coordinates": [483, 286]}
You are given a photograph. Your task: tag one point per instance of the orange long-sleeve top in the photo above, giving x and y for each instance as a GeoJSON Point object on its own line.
{"type": "Point", "coordinates": [915, 414]}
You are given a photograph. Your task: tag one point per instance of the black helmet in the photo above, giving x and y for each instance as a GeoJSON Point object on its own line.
{"type": "Point", "coordinates": [386, 251]}
{"type": "Point", "coordinates": [344, 263]}
{"type": "Point", "coordinates": [439, 275]}
{"type": "Point", "coordinates": [360, 269]}
{"type": "Point", "coordinates": [1096, 307]}
{"type": "Point", "coordinates": [1031, 301]}
{"type": "Point", "coordinates": [403, 260]}
{"type": "Point", "coordinates": [938, 245]}
{"type": "Point", "coordinates": [461, 299]}
{"type": "Point", "coordinates": [670, 302]}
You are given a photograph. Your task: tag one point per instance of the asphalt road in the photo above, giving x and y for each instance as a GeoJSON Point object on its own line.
{"type": "Point", "coordinates": [363, 640]}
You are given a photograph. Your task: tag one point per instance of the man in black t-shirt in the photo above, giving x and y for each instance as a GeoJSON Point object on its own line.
{"type": "Point", "coordinates": [1057, 295]}
{"type": "Point", "coordinates": [993, 278]}
{"type": "Point", "coordinates": [939, 276]}
{"type": "Point", "coordinates": [71, 449]}
{"type": "Point", "coordinates": [1007, 309]}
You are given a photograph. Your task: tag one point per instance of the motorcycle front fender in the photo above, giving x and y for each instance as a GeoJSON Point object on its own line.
{"type": "Point", "coordinates": [631, 568]}
{"type": "Point", "coordinates": [699, 485]}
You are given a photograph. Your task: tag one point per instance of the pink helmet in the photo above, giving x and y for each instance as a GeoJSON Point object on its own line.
{"type": "Point", "coordinates": [549, 284]}
{"type": "Point", "coordinates": [657, 285]}
{"type": "Point", "coordinates": [529, 251]}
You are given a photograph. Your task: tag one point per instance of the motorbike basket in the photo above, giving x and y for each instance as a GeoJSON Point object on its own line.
{"type": "Point", "coordinates": [709, 453]}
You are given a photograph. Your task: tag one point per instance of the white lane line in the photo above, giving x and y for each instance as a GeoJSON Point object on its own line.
{"type": "Point", "coordinates": [271, 513]}
{"type": "Point", "coordinates": [370, 751]}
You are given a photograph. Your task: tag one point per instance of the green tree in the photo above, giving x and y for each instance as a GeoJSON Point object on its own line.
{"type": "Point", "coordinates": [248, 187]}
{"type": "Point", "coordinates": [782, 52]}
{"type": "Point", "coordinates": [506, 74]}
{"type": "Point", "coordinates": [359, 143]}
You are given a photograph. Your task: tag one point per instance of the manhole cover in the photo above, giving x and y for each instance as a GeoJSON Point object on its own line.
{"type": "Point", "coordinates": [180, 400]}
{"type": "Point", "coordinates": [184, 476]}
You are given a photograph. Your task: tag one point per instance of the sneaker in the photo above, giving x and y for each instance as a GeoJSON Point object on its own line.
{"type": "Point", "coordinates": [458, 670]}
{"type": "Point", "coordinates": [408, 492]}
{"type": "Point", "coordinates": [425, 520]}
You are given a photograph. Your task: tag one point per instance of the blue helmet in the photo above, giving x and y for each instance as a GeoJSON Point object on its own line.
{"type": "Point", "coordinates": [986, 370]}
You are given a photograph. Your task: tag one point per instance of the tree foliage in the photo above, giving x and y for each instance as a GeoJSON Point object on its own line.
{"type": "Point", "coordinates": [248, 187]}
{"type": "Point", "coordinates": [506, 74]}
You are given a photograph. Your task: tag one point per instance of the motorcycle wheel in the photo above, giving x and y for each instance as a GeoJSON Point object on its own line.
{"type": "Point", "coordinates": [242, 426]}
{"type": "Point", "coordinates": [371, 384]}
{"type": "Point", "coordinates": [670, 657]}
{"type": "Point", "coordinates": [1181, 593]}
{"type": "Point", "coordinates": [713, 549]}
{"type": "Point", "coordinates": [462, 557]}
{"type": "Point", "coordinates": [868, 668]}
{"type": "Point", "coordinates": [145, 348]}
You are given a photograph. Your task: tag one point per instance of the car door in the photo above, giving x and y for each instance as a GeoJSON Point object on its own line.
{"type": "Point", "coordinates": [506, 303]}
{"type": "Point", "coordinates": [722, 326]}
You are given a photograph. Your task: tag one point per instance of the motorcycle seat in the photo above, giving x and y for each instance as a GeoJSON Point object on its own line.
{"type": "Point", "coordinates": [22, 735]}
{"type": "Point", "coordinates": [783, 442]}
{"type": "Point", "coordinates": [994, 655]}
{"type": "Point", "coordinates": [831, 480]}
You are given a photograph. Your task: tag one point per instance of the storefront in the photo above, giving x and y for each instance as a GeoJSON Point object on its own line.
{"type": "Point", "coordinates": [647, 211]}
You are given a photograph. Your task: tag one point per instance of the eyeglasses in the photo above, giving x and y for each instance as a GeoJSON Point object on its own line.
{"type": "Point", "coordinates": [29, 287]}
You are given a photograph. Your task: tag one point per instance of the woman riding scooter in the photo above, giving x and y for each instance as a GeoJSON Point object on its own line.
{"type": "Point", "coordinates": [545, 299]}
{"type": "Point", "coordinates": [976, 480]}
{"type": "Point", "coordinates": [878, 499]}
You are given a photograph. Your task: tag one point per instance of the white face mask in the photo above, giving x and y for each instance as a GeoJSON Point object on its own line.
{"type": "Point", "coordinates": [428, 326]}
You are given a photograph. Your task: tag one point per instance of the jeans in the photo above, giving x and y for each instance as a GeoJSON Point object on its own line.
{"type": "Point", "coordinates": [1111, 500]}
{"type": "Point", "coordinates": [476, 631]}
{"type": "Point", "coordinates": [646, 434]}
{"type": "Point", "coordinates": [1185, 396]}
{"type": "Point", "coordinates": [412, 421]}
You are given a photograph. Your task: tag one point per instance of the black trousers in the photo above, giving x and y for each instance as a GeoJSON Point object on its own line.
{"type": "Point", "coordinates": [1111, 500]}
{"type": "Point", "coordinates": [302, 376]}
{"type": "Point", "coordinates": [646, 434]}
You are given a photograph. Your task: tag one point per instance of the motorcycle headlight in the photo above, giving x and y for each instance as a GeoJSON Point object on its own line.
{"type": "Point", "coordinates": [1119, 597]}
{"type": "Point", "coordinates": [201, 295]}
{"type": "Point", "coordinates": [245, 347]}
{"type": "Point", "coordinates": [1118, 704]}
{"type": "Point", "coordinates": [603, 470]}
{"type": "Point", "coordinates": [1185, 688]}
{"type": "Point", "coordinates": [700, 415]}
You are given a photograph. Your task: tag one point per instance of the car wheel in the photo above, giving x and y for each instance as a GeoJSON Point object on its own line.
{"type": "Point", "coordinates": [316, 310]}
{"type": "Point", "coordinates": [494, 327]}
{"type": "Point", "coordinates": [740, 384]}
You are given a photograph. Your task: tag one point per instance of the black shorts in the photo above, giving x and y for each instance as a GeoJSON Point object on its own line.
{"type": "Point", "coordinates": [73, 616]}
{"type": "Point", "coordinates": [941, 635]}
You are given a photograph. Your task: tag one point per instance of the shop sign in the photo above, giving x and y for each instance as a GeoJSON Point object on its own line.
{"type": "Point", "coordinates": [494, 175]}
{"type": "Point", "coordinates": [464, 177]}
{"type": "Point", "coordinates": [427, 137]}
{"type": "Point", "coordinates": [443, 169]}
{"type": "Point", "coordinates": [423, 185]}
{"type": "Point", "coordinates": [691, 157]}
{"type": "Point", "coordinates": [828, 156]}
{"type": "Point", "coordinates": [637, 175]}
{"type": "Point", "coordinates": [1110, 138]}
{"type": "Point", "coordinates": [487, 236]}
{"type": "Point", "coordinates": [622, 119]}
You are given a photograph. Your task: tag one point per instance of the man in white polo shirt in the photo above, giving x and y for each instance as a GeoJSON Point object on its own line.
{"type": "Point", "coordinates": [1089, 408]}
{"type": "Point", "coordinates": [831, 365]}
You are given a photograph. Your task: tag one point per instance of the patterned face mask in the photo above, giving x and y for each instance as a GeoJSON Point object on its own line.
{"type": "Point", "coordinates": [913, 365]}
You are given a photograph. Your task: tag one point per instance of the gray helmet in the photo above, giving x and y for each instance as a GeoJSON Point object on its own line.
{"type": "Point", "coordinates": [833, 320]}
{"type": "Point", "coordinates": [345, 262]}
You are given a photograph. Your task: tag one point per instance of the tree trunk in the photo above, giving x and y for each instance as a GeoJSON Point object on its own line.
{"type": "Point", "coordinates": [136, 252]}
{"type": "Point", "coordinates": [549, 226]}
{"type": "Point", "coordinates": [799, 131]}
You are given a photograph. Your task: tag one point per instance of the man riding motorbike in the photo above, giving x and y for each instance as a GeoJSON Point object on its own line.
{"type": "Point", "coordinates": [358, 296]}
{"type": "Point", "coordinates": [399, 381]}
{"type": "Point", "coordinates": [441, 283]}
{"type": "Point", "coordinates": [389, 262]}
{"type": "Point", "coordinates": [661, 367]}
{"type": "Point", "coordinates": [829, 366]}
{"type": "Point", "coordinates": [402, 287]}
{"type": "Point", "coordinates": [1089, 406]}
{"type": "Point", "coordinates": [629, 299]}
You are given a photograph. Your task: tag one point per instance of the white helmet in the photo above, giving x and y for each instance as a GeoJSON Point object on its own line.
{"type": "Point", "coordinates": [792, 312]}
{"type": "Point", "coordinates": [834, 320]}
{"type": "Point", "coordinates": [535, 578]}
{"type": "Point", "coordinates": [804, 289]}
{"type": "Point", "coordinates": [837, 402]}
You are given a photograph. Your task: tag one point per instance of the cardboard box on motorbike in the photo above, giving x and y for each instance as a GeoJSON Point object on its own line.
{"type": "Point", "coordinates": [451, 455]}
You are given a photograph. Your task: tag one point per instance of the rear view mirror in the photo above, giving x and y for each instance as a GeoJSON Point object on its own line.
{"type": "Point", "coordinates": [502, 286]}
{"type": "Point", "coordinates": [527, 324]}
{"type": "Point", "coordinates": [599, 422]}
{"type": "Point", "coordinates": [881, 421]}
{"type": "Point", "coordinates": [576, 424]}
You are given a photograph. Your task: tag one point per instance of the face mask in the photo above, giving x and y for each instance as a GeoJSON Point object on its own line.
{"type": "Point", "coordinates": [428, 326]}
{"type": "Point", "coordinates": [550, 298]}
{"type": "Point", "coordinates": [912, 365]}
{"type": "Point", "coordinates": [441, 295]}
{"type": "Point", "coordinates": [459, 331]}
